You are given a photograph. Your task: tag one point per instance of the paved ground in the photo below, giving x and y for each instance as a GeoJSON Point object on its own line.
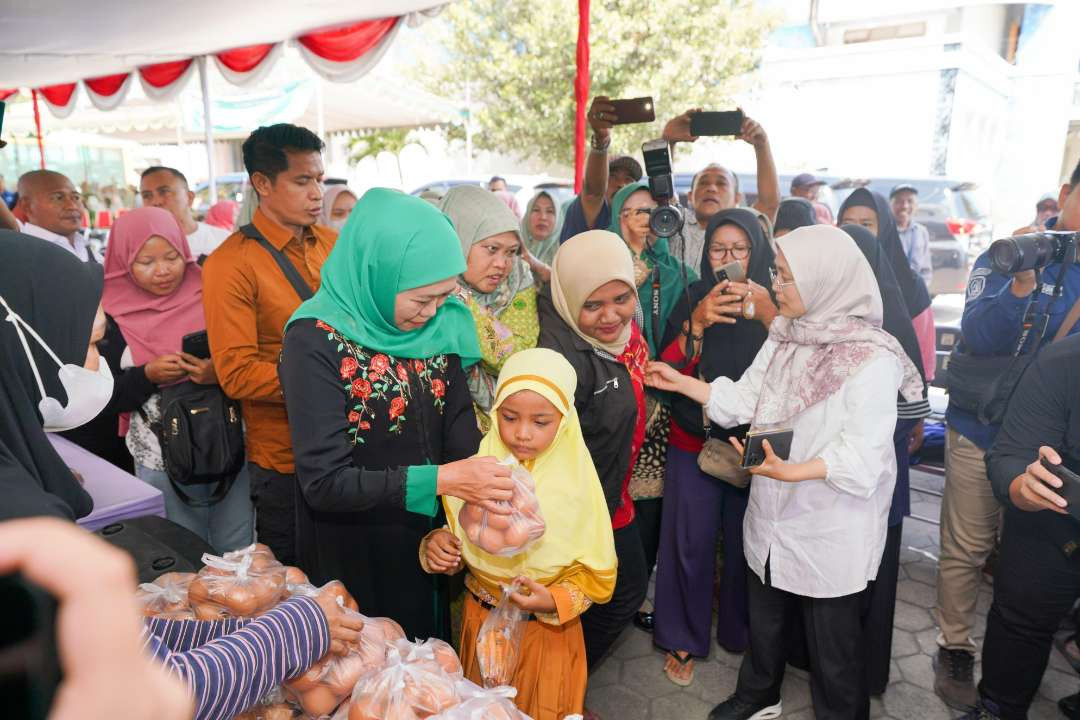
{"type": "Point", "coordinates": [631, 685]}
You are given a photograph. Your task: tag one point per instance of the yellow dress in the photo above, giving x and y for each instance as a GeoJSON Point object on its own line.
{"type": "Point", "coordinates": [575, 558]}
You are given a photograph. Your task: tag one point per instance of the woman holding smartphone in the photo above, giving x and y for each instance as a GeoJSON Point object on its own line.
{"type": "Point", "coordinates": [153, 293]}
{"type": "Point", "coordinates": [816, 521]}
{"type": "Point", "coordinates": [715, 332]}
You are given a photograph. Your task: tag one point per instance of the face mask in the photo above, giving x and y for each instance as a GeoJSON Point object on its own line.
{"type": "Point", "coordinates": [88, 391]}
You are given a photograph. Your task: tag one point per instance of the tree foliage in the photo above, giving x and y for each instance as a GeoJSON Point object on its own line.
{"type": "Point", "coordinates": [518, 60]}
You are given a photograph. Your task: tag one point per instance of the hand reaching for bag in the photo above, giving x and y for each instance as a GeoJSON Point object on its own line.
{"type": "Point", "coordinates": [345, 626]}
{"type": "Point", "coordinates": [482, 481]}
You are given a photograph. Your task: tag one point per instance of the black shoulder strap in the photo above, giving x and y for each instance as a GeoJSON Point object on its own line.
{"type": "Point", "coordinates": [290, 271]}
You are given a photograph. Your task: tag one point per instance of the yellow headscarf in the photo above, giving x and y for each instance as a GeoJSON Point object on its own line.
{"type": "Point", "coordinates": [577, 544]}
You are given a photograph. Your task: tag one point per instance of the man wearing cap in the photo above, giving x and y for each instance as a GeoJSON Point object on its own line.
{"type": "Point", "coordinates": [1046, 208]}
{"type": "Point", "coordinates": [914, 236]}
{"type": "Point", "coordinates": [807, 186]}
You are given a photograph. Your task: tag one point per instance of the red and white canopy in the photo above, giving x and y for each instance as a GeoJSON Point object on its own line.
{"type": "Point", "coordinates": [56, 46]}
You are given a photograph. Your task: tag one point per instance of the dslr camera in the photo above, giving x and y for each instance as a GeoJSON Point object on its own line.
{"type": "Point", "coordinates": [1033, 251]}
{"type": "Point", "coordinates": [666, 219]}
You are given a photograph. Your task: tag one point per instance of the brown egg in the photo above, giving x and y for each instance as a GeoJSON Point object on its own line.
{"type": "Point", "coordinates": [319, 701]}
{"type": "Point", "coordinates": [499, 522]}
{"type": "Point", "coordinates": [294, 575]}
{"type": "Point", "coordinates": [446, 657]}
{"type": "Point", "coordinates": [516, 536]}
{"type": "Point", "coordinates": [209, 611]}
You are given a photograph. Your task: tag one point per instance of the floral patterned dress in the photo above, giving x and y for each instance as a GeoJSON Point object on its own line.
{"type": "Point", "coordinates": [364, 425]}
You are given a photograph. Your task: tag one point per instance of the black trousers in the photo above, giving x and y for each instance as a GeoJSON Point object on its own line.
{"type": "Point", "coordinates": [877, 620]}
{"type": "Point", "coordinates": [1035, 586]}
{"type": "Point", "coordinates": [274, 497]}
{"type": "Point", "coordinates": [833, 628]}
{"type": "Point", "coordinates": [602, 624]}
{"type": "Point", "coordinates": [649, 512]}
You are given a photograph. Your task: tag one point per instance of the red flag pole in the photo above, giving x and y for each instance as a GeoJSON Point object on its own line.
{"type": "Point", "coordinates": [37, 127]}
{"type": "Point", "coordinates": [581, 92]}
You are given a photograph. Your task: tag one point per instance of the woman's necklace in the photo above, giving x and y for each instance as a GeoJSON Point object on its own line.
{"type": "Point", "coordinates": [641, 266]}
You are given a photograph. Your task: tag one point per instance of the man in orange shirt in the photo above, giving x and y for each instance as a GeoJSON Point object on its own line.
{"type": "Point", "coordinates": [248, 298]}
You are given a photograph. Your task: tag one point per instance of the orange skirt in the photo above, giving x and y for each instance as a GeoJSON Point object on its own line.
{"type": "Point", "coordinates": [551, 675]}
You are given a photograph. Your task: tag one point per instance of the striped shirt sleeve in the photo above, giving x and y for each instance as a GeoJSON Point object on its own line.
{"type": "Point", "coordinates": [231, 672]}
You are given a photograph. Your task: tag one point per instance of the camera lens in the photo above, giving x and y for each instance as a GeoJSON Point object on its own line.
{"type": "Point", "coordinates": [1005, 256]}
{"type": "Point", "coordinates": [665, 221]}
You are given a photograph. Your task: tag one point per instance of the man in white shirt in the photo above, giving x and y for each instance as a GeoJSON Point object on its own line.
{"type": "Point", "coordinates": [167, 188]}
{"type": "Point", "coordinates": [914, 237]}
{"type": "Point", "coordinates": [54, 212]}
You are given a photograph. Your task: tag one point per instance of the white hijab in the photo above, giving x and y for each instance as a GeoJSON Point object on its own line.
{"type": "Point", "coordinates": [839, 334]}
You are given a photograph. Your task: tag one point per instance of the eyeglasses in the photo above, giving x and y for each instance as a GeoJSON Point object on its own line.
{"type": "Point", "coordinates": [775, 277]}
{"type": "Point", "coordinates": [637, 211]}
{"type": "Point", "coordinates": [739, 252]}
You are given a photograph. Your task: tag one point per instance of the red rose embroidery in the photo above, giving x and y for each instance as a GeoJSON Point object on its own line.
{"type": "Point", "coordinates": [349, 366]}
{"type": "Point", "coordinates": [418, 365]}
{"type": "Point", "coordinates": [379, 364]}
{"type": "Point", "coordinates": [397, 407]}
{"type": "Point", "coordinates": [438, 387]}
{"type": "Point", "coordinates": [354, 417]}
{"type": "Point", "coordinates": [361, 388]}
{"type": "Point", "coordinates": [323, 326]}
{"type": "Point", "coordinates": [365, 425]}
{"type": "Point", "coordinates": [402, 373]}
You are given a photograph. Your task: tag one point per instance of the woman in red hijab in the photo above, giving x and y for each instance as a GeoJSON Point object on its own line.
{"type": "Point", "coordinates": [153, 296]}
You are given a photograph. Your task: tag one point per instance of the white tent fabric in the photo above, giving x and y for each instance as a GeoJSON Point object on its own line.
{"type": "Point", "coordinates": [47, 42]}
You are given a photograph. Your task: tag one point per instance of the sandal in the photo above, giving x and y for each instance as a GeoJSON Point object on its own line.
{"type": "Point", "coordinates": [682, 659]}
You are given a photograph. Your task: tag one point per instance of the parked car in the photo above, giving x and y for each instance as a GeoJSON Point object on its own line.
{"type": "Point", "coordinates": [522, 186]}
{"type": "Point", "coordinates": [230, 186]}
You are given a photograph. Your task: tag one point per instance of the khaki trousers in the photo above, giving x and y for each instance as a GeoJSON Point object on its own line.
{"type": "Point", "coordinates": [970, 518]}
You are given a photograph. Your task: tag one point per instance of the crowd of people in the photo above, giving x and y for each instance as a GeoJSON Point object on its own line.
{"type": "Point", "coordinates": [396, 358]}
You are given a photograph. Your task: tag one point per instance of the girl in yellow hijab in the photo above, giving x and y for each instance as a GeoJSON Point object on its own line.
{"type": "Point", "coordinates": [566, 570]}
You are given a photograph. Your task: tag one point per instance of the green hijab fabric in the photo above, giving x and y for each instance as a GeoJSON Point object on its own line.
{"type": "Point", "coordinates": [543, 249]}
{"type": "Point", "coordinates": [476, 215]}
{"type": "Point", "coordinates": [393, 242]}
{"type": "Point", "coordinates": [674, 275]}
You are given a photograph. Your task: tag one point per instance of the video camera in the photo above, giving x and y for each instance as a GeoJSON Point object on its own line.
{"type": "Point", "coordinates": [1033, 251]}
{"type": "Point", "coordinates": [666, 219]}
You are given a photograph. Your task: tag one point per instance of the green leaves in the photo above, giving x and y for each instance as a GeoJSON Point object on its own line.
{"type": "Point", "coordinates": [518, 61]}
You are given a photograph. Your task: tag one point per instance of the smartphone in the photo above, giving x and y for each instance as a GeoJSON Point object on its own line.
{"type": "Point", "coordinates": [29, 662]}
{"type": "Point", "coordinates": [1070, 486]}
{"type": "Point", "coordinates": [197, 344]}
{"type": "Point", "coordinates": [754, 453]}
{"type": "Point", "coordinates": [728, 122]}
{"type": "Point", "coordinates": [733, 271]}
{"type": "Point", "coordinates": [633, 110]}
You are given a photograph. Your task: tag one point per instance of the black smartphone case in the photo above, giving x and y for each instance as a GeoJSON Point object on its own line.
{"type": "Point", "coordinates": [197, 344]}
{"type": "Point", "coordinates": [1070, 487]}
{"type": "Point", "coordinates": [711, 123]}
{"type": "Point", "coordinates": [754, 453]}
{"type": "Point", "coordinates": [634, 110]}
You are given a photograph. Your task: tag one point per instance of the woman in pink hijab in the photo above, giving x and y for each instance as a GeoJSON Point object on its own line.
{"type": "Point", "coordinates": [153, 295]}
{"type": "Point", "coordinates": [222, 215]}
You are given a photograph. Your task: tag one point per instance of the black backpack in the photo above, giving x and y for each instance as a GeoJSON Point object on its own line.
{"type": "Point", "coordinates": [202, 438]}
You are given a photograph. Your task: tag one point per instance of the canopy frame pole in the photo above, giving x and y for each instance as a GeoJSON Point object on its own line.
{"type": "Point", "coordinates": [581, 93]}
{"type": "Point", "coordinates": [37, 128]}
{"type": "Point", "coordinates": [208, 126]}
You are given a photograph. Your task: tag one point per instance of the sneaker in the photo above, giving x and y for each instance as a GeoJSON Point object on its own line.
{"type": "Point", "coordinates": [954, 678]}
{"type": "Point", "coordinates": [735, 709]}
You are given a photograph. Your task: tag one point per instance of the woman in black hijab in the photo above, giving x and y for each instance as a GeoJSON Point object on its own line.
{"type": "Point", "coordinates": [794, 213]}
{"type": "Point", "coordinates": [722, 335]}
{"type": "Point", "coordinates": [881, 223]}
{"type": "Point", "coordinates": [58, 297]}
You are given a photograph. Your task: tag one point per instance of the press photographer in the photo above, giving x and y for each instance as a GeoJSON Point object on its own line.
{"type": "Point", "coordinates": [1022, 295]}
{"type": "Point", "coordinates": [1031, 468]}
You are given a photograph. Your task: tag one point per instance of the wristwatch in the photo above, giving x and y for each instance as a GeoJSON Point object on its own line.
{"type": "Point", "coordinates": [600, 147]}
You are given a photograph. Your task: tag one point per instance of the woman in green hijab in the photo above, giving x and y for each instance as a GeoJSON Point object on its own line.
{"type": "Point", "coordinates": [540, 228]}
{"type": "Point", "coordinates": [379, 409]}
{"type": "Point", "coordinates": [630, 210]}
{"type": "Point", "coordinates": [496, 285]}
